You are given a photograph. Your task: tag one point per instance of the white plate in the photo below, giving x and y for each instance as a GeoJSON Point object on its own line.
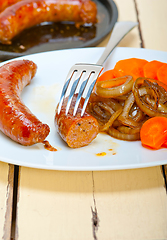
{"type": "Point", "coordinates": [42, 95]}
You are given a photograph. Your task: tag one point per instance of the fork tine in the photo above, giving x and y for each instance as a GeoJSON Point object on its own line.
{"type": "Point", "coordinates": [80, 93]}
{"type": "Point", "coordinates": [73, 88]}
{"type": "Point", "coordinates": [65, 87]}
{"type": "Point", "coordinates": [94, 70]}
{"type": "Point", "coordinates": [89, 91]}
{"type": "Point", "coordinates": [62, 95]}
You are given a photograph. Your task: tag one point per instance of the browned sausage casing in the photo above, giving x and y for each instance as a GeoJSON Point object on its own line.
{"type": "Point", "coordinates": [16, 120]}
{"type": "Point", "coordinates": [27, 13]}
{"type": "Point", "coordinates": [76, 131]}
{"type": "Point", "coordinates": [6, 3]}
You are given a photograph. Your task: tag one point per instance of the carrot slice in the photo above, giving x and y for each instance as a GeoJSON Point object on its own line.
{"type": "Point", "coordinates": [153, 133]}
{"type": "Point", "coordinates": [151, 68]}
{"type": "Point", "coordinates": [107, 75]}
{"type": "Point", "coordinates": [162, 73]}
{"type": "Point", "coordinates": [131, 66]}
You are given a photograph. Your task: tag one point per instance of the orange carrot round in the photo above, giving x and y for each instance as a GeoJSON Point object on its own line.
{"type": "Point", "coordinates": [162, 73]}
{"type": "Point", "coordinates": [131, 66]}
{"type": "Point", "coordinates": [151, 68]}
{"type": "Point", "coordinates": [153, 133]}
{"type": "Point", "coordinates": [107, 75]}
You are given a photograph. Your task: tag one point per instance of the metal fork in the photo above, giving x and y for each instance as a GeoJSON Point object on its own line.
{"type": "Point", "coordinates": [80, 74]}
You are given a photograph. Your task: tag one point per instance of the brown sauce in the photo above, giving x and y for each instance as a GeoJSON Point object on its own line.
{"type": "Point", "coordinates": [49, 33]}
{"type": "Point", "coordinates": [47, 146]}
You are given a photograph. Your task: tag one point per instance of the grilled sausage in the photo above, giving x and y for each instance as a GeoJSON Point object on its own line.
{"type": "Point", "coordinates": [16, 120]}
{"type": "Point", "coordinates": [6, 3]}
{"type": "Point", "coordinates": [76, 131]}
{"type": "Point", "coordinates": [27, 13]}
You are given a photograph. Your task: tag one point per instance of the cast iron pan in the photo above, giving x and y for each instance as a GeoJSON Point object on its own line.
{"type": "Point", "coordinates": [64, 35]}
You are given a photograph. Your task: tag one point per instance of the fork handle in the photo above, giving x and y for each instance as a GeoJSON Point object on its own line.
{"type": "Point", "coordinates": [119, 31]}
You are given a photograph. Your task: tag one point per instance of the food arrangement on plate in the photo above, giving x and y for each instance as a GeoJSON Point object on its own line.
{"type": "Point", "coordinates": [128, 103]}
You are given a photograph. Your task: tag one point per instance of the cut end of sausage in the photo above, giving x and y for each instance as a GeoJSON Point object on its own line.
{"type": "Point", "coordinates": [76, 131]}
{"type": "Point", "coordinates": [82, 132]}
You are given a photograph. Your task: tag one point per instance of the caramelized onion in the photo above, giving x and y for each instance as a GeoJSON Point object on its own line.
{"type": "Point", "coordinates": [114, 87]}
{"type": "Point", "coordinates": [146, 108]}
{"type": "Point", "coordinates": [161, 106]}
{"type": "Point", "coordinates": [114, 104]}
{"type": "Point", "coordinates": [128, 130]}
{"type": "Point", "coordinates": [154, 93]}
{"type": "Point", "coordinates": [111, 120]}
{"type": "Point", "coordinates": [106, 107]}
{"type": "Point", "coordinates": [121, 106]}
{"type": "Point", "coordinates": [103, 114]}
{"type": "Point", "coordinates": [139, 115]}
{"type": "Point", "coordinates": [91, 110]}
{"type": "Point", "coordinates": [160, 88]}
{"type": "Point", "coordinates": [124, 117]}
{"type": "Point", "coordinates": [123, 136]}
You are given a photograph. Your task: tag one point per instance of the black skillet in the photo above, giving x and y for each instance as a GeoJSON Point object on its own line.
{"type": "Point", "coordinates": [56, 36]}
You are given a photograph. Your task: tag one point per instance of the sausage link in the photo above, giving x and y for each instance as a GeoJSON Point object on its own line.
{"type": "Point", "coordinates": [76, 131]}
{"type": "Point", "coordinates": [27, 13]}
{"type": "Point", "coordinates": [16, 120]}
{"type": "Point", "coordinates": [6, 3]}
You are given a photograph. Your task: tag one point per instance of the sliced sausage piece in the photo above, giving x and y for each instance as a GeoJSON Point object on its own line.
{"type": "Point", "coordinates": [76, 131]}
{"type": "Point", "coordinates": [16, 120]}
{"type": "Point", "coordinates": [27, 13]}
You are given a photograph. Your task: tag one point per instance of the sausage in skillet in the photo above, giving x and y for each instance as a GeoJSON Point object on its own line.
{"type": "Point", "coordinates": [25, 14]}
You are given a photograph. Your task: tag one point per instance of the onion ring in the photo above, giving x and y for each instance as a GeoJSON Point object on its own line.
{"type": "Point", "coordinates": [103, 114]}
{"type": "Point", "coordinates": [128, 130]}
{"type": "Point", "coordinates": [161, 106]}
{"type": "Point", "coordinates": [92, 110]}
{"type": "Point", "coordinates": [124, 117]}
{"type": "Point", "coordinates": [138, 116]}
{"type": "Point", "coordinates": [105, 107]}
{"type": "Point", "coordinates": [160, 88]}
{"type": "Point", "coordinates": [123, 136]}
{"type": "Point", "coordinates": [111, 120]}
{"type": "Point", "coordinates": [114, 104]}
{"type": "Point", "coordinates": [114, 87]}
{"type": "Point", "coordinates": [155, 93]}
{"type": "Point", "coordinates": [146, 108]}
